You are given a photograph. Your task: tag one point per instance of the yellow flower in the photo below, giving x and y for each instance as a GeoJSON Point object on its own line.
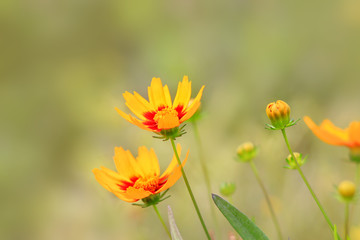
{"type": "Point", "coordinates": [327, 132]}
{"type": "Point", "coordinates": [138, 178]}
{"type": "Point", "coordinates": [160, 112]}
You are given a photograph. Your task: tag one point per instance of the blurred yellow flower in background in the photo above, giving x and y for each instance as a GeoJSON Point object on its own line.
{"type": "Point", "coordinates": [138, 178]}
{"type": "Point", "coordinates": [330, 134]}
{"type": "Point", "coordinates": [160, 112]}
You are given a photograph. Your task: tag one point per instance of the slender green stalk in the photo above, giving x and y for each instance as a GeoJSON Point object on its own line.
{"type": "Point", "coordinates": [205, 170]}
{"type": "Point", "coordinates": [202, 159]}
{"type": "Point", "coordinates": [162, 221]}
{"type": "Point", "coordinates": [189, 189]}
{"type": "Point", "coordinates": [267, 198]}
{"type": "Point", "coordinates": [331, 225]}
{"type": "Point", "coordinates": [346, 222]}
{"type": "Point", "coordinates": [357, 176]}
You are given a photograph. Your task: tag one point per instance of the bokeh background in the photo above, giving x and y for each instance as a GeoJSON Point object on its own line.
{"type": "Point", "coordinates": [65, 64]}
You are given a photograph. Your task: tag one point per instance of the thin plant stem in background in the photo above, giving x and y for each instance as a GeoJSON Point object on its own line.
{"type": "Point", "coordinates": [204, 169]}
{"type": "Point", "coordinates": [189, 190]}
{"type": "Point", "coordinates": [267, 198]}
{"type": "Point", "coordinates": [346, 221]}
{"type": "Point", "coordinates": [357, 175]}
{"type": "Point", "coordinates": [162, 221]}
{"type": "Point", "coordinates": [331, 225]}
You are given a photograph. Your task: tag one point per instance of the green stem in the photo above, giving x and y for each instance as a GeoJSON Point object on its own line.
{"type": "Point", "coordinates": [357, 176]}
{"type": "Point", "coordinates": [202, 159]}
{"type": "Point", "coordinates": [162, 221]}
{"type": "Point", "coordinates": [189, 189]}
{"type": "Point", "coordinates": [273, 216]}
{"type": "Point", "coordinates": [346, 224]}
{"type": "Point", "coordinates": [204, 169]}
{"type": "Point", "coordinates": [331, 225]}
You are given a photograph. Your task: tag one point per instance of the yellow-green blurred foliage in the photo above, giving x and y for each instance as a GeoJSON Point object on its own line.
{"type": "Point", "coordinates": [64, 65]}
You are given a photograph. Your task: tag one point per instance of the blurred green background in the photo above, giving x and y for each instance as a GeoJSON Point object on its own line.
{"type": "Point", "coordinates": [63, 68]}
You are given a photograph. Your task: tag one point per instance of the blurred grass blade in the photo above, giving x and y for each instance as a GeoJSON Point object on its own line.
{"type": "Point", "coordinates": [335, 233]}
{"type": "Point", "coordinates": [175, 234]}
{"type": "Point", "coordinates": [240, 222]}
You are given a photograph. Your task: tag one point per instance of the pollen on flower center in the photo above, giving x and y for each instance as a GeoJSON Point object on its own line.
{"type": "Point", "coordinates": [147, 183]}
{"type": "Point", "coordinates": [167, 118]}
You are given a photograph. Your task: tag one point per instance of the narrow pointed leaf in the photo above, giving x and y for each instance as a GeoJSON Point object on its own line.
{"type": "Point", "coordinates": [175, 234]}
{"type": "Point", "coordinates": [239, 221]}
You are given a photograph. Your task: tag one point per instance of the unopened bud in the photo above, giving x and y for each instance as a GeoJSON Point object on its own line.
{"type": "Point", "coordinates": [355, 154]}
{"type": "Point", "coordinates": [291, 161]}
{"type": "Point", "coordinates": [279, 114]}
{"type": "Point", "coordinates": [347, 189]}
{"type": "Point", "coordinates": [227, 189]}
{"type": "Point", "coordinates": [246, 152]}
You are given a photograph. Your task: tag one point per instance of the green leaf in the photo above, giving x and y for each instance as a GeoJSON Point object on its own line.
{"type": "Point", "coordinates": [175, 234]}
{"type": "Point", "coordinates": [240, 222]}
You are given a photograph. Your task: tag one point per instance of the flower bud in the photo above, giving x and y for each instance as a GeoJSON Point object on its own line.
{"type": "Point", "coordinates": [246, 152]}
{"type": "Point", "coordinates": [347, 189]}
{"type": "Point", "coordinates": [355, 154]}
{"type": "Point", "coordinates": [291, 161]}
{"type": "Point", "coordinates": [227, 189]}
{"type": "Point", "coordinates": [279, 114]}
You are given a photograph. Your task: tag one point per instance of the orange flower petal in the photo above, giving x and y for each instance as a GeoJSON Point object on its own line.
{"type": "Point", "coordinates": [174, 176]}
{"type": "Point", "coordinates": [328, 126]}
{"type": "Point", "coordinates": [126, 164]}
{"type": "Point", "coordinates": [183, 93]}
{"type": "Point", "coordinates": [135, 193]}
{"type": "Point", "coordinates": [136, 106]}
{"type": "Point", "coordinates": [354, 133]}
{"type": "Point", "coordinates": [190, 111]}
{"type": "Point", "coordinates": [156, 93]}
{"type": "Point", "coordinates": [132, 120]}
{"type": "Point", "coordinates": [107, 178]}
{"type": "Point", "coordinates": [325, 133]}
{"type": "Point", "coordinates": [148, 162]}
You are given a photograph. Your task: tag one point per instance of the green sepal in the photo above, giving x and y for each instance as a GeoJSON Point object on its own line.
{"type": "Point", "coordinates": [291, 123]}
{"type": "Point", "coordinates": [153, 199]}
{"type": "Point", "coordinates": [291, 165]}
{"type": "Point", "coordinates": [172, 133]}
{"type": "Point", "coordinates": [343, 199]}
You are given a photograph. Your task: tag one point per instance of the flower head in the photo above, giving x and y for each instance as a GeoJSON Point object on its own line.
{"type": "Point", "coordinates": [330, 134]}
{"type": "Point", "coordinates": [138, 178]}
{"type": "Point", "coordinates": [160, 113]}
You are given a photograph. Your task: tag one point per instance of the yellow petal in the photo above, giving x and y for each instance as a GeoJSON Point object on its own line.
{"type": "Point", "coordinates": [183, 93]}
{"type": "Point", "coordinates": [126, 164]}
{"type": "Point", "coordinates": [107, 179]}
{"type": "Point", "coordinates": [136, 106]}
{"type": "Point", "coordinates": [354, 133]}
{"type": "Point", "coordinates": [327, 133]}
{"type": "Point", "coordinates": [173, 164]}
{"type": "Point", "coordinates": [167, 96]}
{"type": "Point", "coordinates": [132, 120]}
{"type": "Point", "coordinates": [174, 176]}
{"type": "Point", "coordinates": [135, 193]}
{"type": "Point", "coordinates": [190, 111]}
{"type": "Point", "coordinates": [156, 93]}
{"type": "Point", "coordinates": [148, 162]}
